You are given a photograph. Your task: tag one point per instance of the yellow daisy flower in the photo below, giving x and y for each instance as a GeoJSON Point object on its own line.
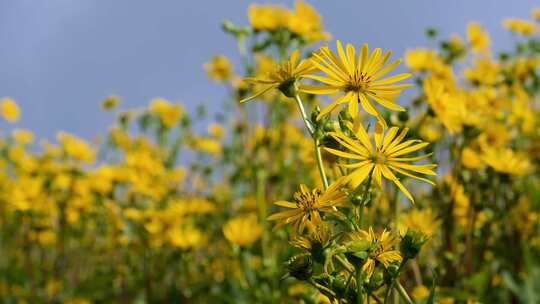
{"type": "Point", "coordinates": [386, 156]}
{"type": "Point", "coordinates": [383, 252]}
{"type": "Point", "coordinates": [359, 79]}
{"type": "Point", "coordinates": [308, 206]}
{"type": "Point", "coordinates": [283, 77]}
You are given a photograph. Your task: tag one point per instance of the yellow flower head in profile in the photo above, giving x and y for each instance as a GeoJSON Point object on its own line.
{"type": "Point", "coordinates": [268, 17]}
{"type": "Point", "coordinates": [9, 110]}
{"type": "Point", "coordinates": [219, 68]}
{"type": "Point", "coordinates": [242, 230]}
{"type": "Point", "coordinates": [520, 26]}
{"type": "Point", "coordinates": [283, 77]}
{"type": "Point", "coordinates": [308, 205]}
{"type": "Point", "coordinates": [478, 38]}
{"type": "Point", "coordinates": [507, 161]}
{"type": "Point", "coordinates": [168, 113]}
{"type": "Point", "coordinates": [383, 253]}
{"type": "Point", "coordinates": [387, 155]}
{"type": "Point", "coordinates": [359, 79]}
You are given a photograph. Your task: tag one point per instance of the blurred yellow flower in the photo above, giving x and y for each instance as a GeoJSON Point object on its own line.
{"type": "Point", "coordinates": [268, 17]}
{"type": "Point", "coordinates": [448, 106]}
{"type": "Point", "coordinates": [23, 136]}
{"type": "Point", "coordinates": [168, 113]}
{"type": "Point", "coordinates": [110, 102]}
{"type": "Point", "coordinates": [535, 13]}
{"type": "Point", "coordinates": [420, 292]}
{"type": "Point", "coordinates": [507, 161]}
{"type": "Point", "coordinates": [520, 26]}
{"type": "Point", "coordinates": [207, 145]}
{"type": "Point", "coordinates": [76, 147]}
{"type": "Point", "coordinates": [470, 158]}
{"type": "Point", "coordinates": [424, 220]}
{"type": "Point", "coordinates": [306, 22]}
{"type": "Point", "coordinates": [242, 230]}
{"type": "Point", "coordinates": [219, 68]}
{"type": "Point", "coordinates": [478, 38]}
{"type": "Point", "coordinates": [215, 130]}
{"type": "Point", "coordinates": [9, 109]}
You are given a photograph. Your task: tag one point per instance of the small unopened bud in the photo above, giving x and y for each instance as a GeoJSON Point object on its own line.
{"type": "Point", "coordinates": [411, 243]}
{"type": "Point", "coordinates": [300, 267]}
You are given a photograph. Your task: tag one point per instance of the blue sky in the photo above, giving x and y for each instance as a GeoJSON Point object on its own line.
{"type": "Point", "coordinates": [59, 58]}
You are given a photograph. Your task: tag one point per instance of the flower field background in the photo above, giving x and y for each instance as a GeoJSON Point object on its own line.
{"type": "Point", "coordinates": [317, 183]}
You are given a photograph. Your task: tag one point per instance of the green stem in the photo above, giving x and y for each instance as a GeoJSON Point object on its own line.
{"type": "Point", "coordinates": [305, 118]}
{"type": "Point", "coordinates": [320, 163]}
{"type": "Point", "coordinates": [261, 202]}
{"type": "Point", "coordinates": [403, 293]}
{"type": "Point", "coordinates": [360, 208]}
{"type": "Point", "coordinates": [316, 141]}
{"type": "Point", "coordinates": [359, 290]}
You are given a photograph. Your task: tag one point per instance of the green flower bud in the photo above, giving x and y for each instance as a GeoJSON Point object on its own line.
{"type": "Point", "coordinates": [377, 279]}
{"type": "Point", "coordinates": [411, 243]}
{"type": "Point", "coordinates": [300, 267]}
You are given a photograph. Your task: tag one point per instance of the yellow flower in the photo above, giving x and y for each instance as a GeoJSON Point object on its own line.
{"type": "Point", "coordinates": [219, 68]}
{"type": "Point", "coordinates": [308, 206]}
{"type": "Point", "coordinates": [242, 230]}
{"type": "Point", "coordinates": [507, 161]}
{"type": "Point", "coordinates": [424, 220]}
{"type": "Point", "coordinates": [447, 106]}
{"type": "Point", "coordinates": [535, 13]}
{"type": "Point", "coordinates": [462, 204]}
{"type": "Point", "coordinates": [207, 145]}
{"type": "Point", "coordinates": [216, 130]}
{"type": "Point", "coordinates": [520, 26]}
{"type": "Point", "coordinates": [110, 102]}
{"type": "Point", "coordinates": [484, 71]}
{"type": "Point", "coordinates": [168, 113]}
{"type": "Point", "coordinates": [359, 79]}
{"type": "Point", "coordinates": [76, 147]}
{"type": "Point", "coordinates": [388, 154]}
{"type": "Point", "coordinates": [306, 22]}
{"type": "Point", "coordinates": [478, 37]}
{"type": "Point", "coordinates": [494, 135]}
{"type": "Point", "coordinates": [383, 251]}
{"type": "Point", "coordinates": [23, 136]}
{"type": "Point", "coordinates": [268, 17]}
{"type": "Point", "coordinates": [9, 109]}
{"type": "Point", "coordinates": [283, 76]}
{"type": "Point", "coordinates": [420, 59]}
{"type": "Point", "coordinates": [420, 292]}
{"type": "Point", "coordinates": [470, 159]}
